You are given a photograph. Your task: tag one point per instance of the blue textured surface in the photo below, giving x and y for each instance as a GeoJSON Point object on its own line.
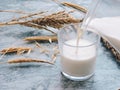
{"type": "Point", "coordinates": [43, 76]}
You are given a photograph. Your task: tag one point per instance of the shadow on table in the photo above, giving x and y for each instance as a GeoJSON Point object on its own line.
{"type": "Point", "coordinates": [70, 85]}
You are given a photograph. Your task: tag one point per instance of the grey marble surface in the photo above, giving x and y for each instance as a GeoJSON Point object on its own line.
{"type": "Point", "coordinates": [33, 76]}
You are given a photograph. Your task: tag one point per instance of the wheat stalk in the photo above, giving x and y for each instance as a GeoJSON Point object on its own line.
{"type": "Point", "coordinates": [78, 7]}
{"type": "Point", "coordinates": [69, 4]}
{"type": "Point", "coordinates": [14, 11]}
{"type": "Point", "coordinates": [27, 16]}
{"type": "Point", "coordinates": [33, 25]}
{"type": "Point", "coordinates": [55, 20]}
{"type": "Point", "coordinates": [26, 60]}
{"type": "Point", "coordinates": [41, 38]}
{"type": "Point", "coordinates": [19, 50]}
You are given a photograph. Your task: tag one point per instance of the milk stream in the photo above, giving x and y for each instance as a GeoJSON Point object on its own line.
{"type": "Point", "coordinates": [79, 35]}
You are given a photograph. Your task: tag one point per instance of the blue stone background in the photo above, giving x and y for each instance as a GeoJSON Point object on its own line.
{"type": "Point", "coordinates": [34, 76]}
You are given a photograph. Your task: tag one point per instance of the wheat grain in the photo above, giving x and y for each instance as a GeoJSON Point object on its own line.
{"type": "Point", "coordinates": [19, 50]}
{"type": "Point", "coordinates": [78, 7]}
{"type": "Point", "coordinates": [56, 20]}
{"type": "Point", "coordinates": [25, 60]}
{"type": "Point", "coordinates": [41, 38]}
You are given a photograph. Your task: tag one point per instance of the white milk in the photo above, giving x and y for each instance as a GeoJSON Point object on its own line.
{"type": "Point", "coordinates": [78, 64]}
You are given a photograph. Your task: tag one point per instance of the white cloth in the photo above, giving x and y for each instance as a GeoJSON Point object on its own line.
{"type": "Point", "coordinates": [108, 28]}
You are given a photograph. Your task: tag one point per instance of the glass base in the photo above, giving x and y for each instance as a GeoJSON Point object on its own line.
{"type": "Point", "coordinates": [77, 78]}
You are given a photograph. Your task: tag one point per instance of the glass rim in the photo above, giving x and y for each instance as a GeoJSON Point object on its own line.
{"type": "Point", "coordinates": [93, 43]}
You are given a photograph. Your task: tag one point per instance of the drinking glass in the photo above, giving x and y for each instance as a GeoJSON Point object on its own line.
{"type": "Point", "coordinates": [78, 56]}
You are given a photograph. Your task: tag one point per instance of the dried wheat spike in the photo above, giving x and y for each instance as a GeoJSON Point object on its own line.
{"type": "Point", "coordinates": [25, 60]}
{"type": "Point", "coordinates": [78, 7]}
{"type": "Point", "coordinates": [112, 49]}
{"type": "Point", "coordinates": [19, 50]}
{"type": "Point", "coordinates": [41, 38]}
{"type": "Point", "coordinates": [56, 20]}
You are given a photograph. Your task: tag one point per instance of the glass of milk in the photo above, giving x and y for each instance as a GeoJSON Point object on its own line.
{"type": "Point", "coordinates": [78, 56]}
